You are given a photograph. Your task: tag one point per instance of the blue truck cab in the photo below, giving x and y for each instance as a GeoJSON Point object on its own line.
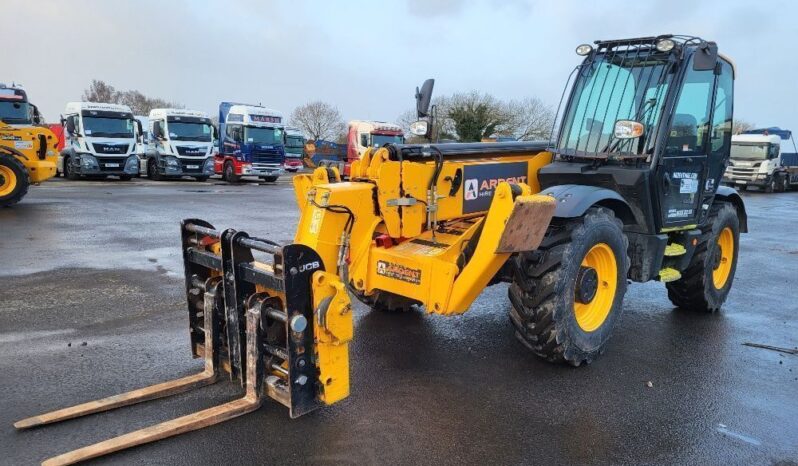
{"type": "Point", "coordinates": [251, 142]}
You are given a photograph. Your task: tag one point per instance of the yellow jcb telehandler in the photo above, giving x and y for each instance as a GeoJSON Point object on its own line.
{"type": "Point", "coordinates": [629, 189]}
{"type": "Point", "coordinates": [28, 151]}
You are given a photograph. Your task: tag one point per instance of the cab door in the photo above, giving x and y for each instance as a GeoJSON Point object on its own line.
{"type": "Point", "coordinates": [683, 168]}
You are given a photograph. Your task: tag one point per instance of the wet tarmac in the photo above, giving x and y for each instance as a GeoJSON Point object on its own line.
{"type": "Point", "coordinates": [92, 304]}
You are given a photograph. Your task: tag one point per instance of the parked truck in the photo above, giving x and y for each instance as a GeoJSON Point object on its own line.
{"type": "Point", "coordinates": [99, 141]}
{"type": "Point", "coordinates": [180, 144]}
{"type": "Point", "coordinates": [764, 158]}
{"type": "Point", "coordinates": [360, 136]}
{"type": "Point", "coordinates": [294, 149]}
{"type": "Point", "coordinates": [28, 150]}
{"type": "Point", "coordinates": [250, 142]}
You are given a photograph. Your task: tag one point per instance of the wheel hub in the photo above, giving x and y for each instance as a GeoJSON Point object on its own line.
{"type": "Point", "coordinates": [586, 284]}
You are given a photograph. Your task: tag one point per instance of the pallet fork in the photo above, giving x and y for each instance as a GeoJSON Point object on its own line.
{"type": "Point", "coordinates": [253, 320]}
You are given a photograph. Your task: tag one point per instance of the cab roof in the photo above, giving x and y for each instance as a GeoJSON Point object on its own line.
{"type": "Point", "coordinates": [77, 107]}
{"type": "Point", "coordinates": [167, 112]}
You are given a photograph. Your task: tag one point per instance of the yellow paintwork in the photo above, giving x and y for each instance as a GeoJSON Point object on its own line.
{"type": "Point", "coordinates": [333, 329]}
{"type": "Point", "coordinates": [721, 273]}
{"type": "Point", "coordinates": [25, 139]}
{"type": "Point", "coordinates": [590, 316]}
{"type": "Point", "coordinates": [9, 181]}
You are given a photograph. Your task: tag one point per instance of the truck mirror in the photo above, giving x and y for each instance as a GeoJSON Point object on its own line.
{"type": "Point", "coordinates": [157, 131]}
{"type": "Point", "coordinates": [70, 125]}
{"type": "Point", "coordinates": [706, 57]}
{"type": "Point", "coordinates": [424, 97]}
{"type": "Point", "coordinates": [140, 130]}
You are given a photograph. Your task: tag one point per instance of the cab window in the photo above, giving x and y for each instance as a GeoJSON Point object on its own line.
{"type": "Point", "coordinates": [720, 142]}
{"type": "Point", "coordinates": [691, 117]}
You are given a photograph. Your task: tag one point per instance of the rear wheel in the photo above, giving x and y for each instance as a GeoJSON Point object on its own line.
{"type": "Point", "coordinates": [568, 294]}
{"type": "Point", "coordinates": [14, 180]}
{"type": "Point", "coordinates": [229, 173]}
{"type": "Point", "coordinates": [706, 282]}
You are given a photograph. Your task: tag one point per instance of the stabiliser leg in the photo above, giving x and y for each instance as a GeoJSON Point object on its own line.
{"type": "Point", "coordinates": [250, 402]}
{"type": "Point", "coordinates": [208, 376]}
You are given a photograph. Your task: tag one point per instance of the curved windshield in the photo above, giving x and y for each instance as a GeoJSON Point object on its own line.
{"type": "Point", "coordinates": [15, 112]}
{"type": "Point", "coordinates": [179, 131]}
{"type": "Point", "coordinates": [612, 87]}
{"type": "Point", "coordinates": [108, 127]}
{"type": "Point", "coordinates": [256, 135]}
{"type": "Point", "coordinates": [742, 151]}
{"type": "Point", "coordinates": [380, 140]}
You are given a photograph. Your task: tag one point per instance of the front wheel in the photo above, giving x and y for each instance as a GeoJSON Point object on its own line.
{"type": "Point", "coordinates": [14, 180]}
{"type": "Point", "coordinates": [706, 282]}
{"type": "Point", "coordinates": [152, 170]}
{"type": "Point", "coordinates": [229, 173]}
{"type": "Point", "coordinates": [69, 172]}
{"type": "Point", "coordinates": [568, 294]}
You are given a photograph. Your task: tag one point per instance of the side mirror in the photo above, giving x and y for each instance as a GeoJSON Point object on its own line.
{"type": "Point", "coordinates": [424, 97]}
{"type": "Point", "coordinates": [214, 133]}
{"type": "Point", "coordinates": [628, 129]}
{"type": "Point", "coordinates": [421, 128]}
{"type": "Point", "coordinates": [36, 117]}
{"type": "Point", "coordinates": [706, 57]}
{"type": "Point", "coordinates": [140, 130]}
{"type": "Point", "coordinates": [157, 131]}
{"type": "Point", "coordinates": [70, 125]}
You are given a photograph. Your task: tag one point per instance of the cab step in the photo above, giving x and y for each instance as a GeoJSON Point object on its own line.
{"type": "Point", "coordinates": [669, 275]}
{"type": "Point", "coordinates": [675, 249]}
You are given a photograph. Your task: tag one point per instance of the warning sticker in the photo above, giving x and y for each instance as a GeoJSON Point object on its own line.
{"type": "Point", "coordinates": [399, 272]}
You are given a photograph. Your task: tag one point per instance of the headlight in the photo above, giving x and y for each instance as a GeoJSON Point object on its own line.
{"type": "Point", "coordinates": [172, 162]}
{"type": "Point", "coordinates": [665, 45]}
{"type": "Point", "coordinates": [89, 161]}
{"type": "Point", "coordinates": [132, 164]}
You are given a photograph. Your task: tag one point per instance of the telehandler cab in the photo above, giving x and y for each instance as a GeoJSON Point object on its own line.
{"type": "Point", "coordinates": [629, 190]}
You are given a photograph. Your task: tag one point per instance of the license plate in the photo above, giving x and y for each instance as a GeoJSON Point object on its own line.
{"type": "Point", "coordinates": [739, 181]}
{"type": "Point", "coordinates": [112, 165]}
{"type": "Point", "coordinates": [192, 166]}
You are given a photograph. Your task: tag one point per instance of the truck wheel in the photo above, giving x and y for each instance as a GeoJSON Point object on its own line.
{"type": "Point", "coordinates": [229, 173]}
{"type": "Point", "coordinates": [568, 294]}
{"type": "Point", "coordinates": [69, 173]}
{"type": "Point", "coordinates": [269, 179]}
{"type": "Point", "coordinates": [707, 280]}
{"type": "Point", "coordinates": [780, 184]}
{"type": "Point", "coordinates": [152, 170]}
{"type": "Point", "coordinates": [14, 180]}
{"type": "Point", "coordinates": [770, 185]}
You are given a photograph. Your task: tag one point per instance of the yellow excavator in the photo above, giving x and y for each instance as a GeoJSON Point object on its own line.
{"type": "Point", "coordinates": [28, 151]}
{"type": "Point", "coordinates": [629, 189]}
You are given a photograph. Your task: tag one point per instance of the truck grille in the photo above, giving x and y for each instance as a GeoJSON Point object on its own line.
{"type": "Point", "coordinates": [191, 151]}
{"type": "Point", "coordinates": [184, 165]}
{"type": "Point", "coordinates": [120, 161]}
{"type": "Point", "coordinates": [743, 172]}
{"type": "Point", "coordinates": [102, 148]}
{"type": "Point", "coordinates": [273, 157]}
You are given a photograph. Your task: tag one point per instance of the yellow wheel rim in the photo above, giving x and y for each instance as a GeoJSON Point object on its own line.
{"type": "Point", "coordinates": [8, 181]}
{"type": "Point", "coordinates": [722, 271]}
{"type": "Point", "coordinates": [591, 315]}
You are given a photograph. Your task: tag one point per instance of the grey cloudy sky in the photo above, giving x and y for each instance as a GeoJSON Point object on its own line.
{"type": "Point", "coordinates": [366, 57]}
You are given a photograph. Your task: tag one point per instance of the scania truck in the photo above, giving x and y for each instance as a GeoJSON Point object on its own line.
{"type": "Point", "coordinates": [294, 149]}
{"type": "Point", "coordinates": [180, 144]}
{"type": "Point", "coordinates": [28, 150]}
{"type": "Point", "coordinates": [764, 158]}
{"type": "Point", "coordinates": [250, 142]}
{"type": "Point", "coordinates": [99, 141]}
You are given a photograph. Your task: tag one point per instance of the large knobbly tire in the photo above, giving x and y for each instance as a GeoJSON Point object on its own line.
{"type": "Point", "coordinates": [553, 311]}
{"type": "Point", "coordinates": [14, 180]}
{"type": "Point", "coordinates": [706, 282]}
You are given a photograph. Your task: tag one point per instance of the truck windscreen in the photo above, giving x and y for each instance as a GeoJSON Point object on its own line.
{"type": "Point", "coordinates": [380, 140]}
{"type": "Point", "coordinates": [108, 127]}
{"type": "Point", "coordinates": [294, 142]}
{"type": "Point", "coordinates": [201, 132]}
{"type": "Point", "coordinates": [15, 112]}
{"type": "Point", "coordinates": [749, 151]}
{"type": "Point", "coordinates": [256, 135]}
{"type": "Point", "coordinates": [623, 85]}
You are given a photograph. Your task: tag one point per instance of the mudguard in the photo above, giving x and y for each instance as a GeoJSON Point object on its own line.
{"type": "Point", "coordinates": [729, 194]}
{"type": "Point", "coordinates": [573, 200]}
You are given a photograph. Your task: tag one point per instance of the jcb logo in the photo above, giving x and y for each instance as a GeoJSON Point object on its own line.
{"type": "Point", "coordinates": [309, 266]}
{"type": "Point", "coordinates": [471, 189]}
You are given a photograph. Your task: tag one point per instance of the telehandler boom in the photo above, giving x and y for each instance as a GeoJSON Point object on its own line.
{"type": "Point", "coordinates": [628, 190]}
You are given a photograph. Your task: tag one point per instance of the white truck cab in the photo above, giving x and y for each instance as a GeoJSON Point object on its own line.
{"type": "Point", "coordinates": [99, 140]}
{"type": "Point", "coordinates": [180, 144]}
{"type": "Point", "coordinates": [761, 160]}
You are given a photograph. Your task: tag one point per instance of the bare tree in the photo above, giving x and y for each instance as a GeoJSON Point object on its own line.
{"type": "Point", "coordinates": [99, 91]}
{"type": "Point", "coordinates": [318, 120]}
{"type": "Point", "coordinates": [741, 125]}
{"type": "Point", "coordinates": [530, 119]}
{"type": "Point", "coordinates": [140, 104]}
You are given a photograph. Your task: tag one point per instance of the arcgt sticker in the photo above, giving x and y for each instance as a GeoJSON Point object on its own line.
{"type": "Point", "coordinates": [481, 181]}
{"type": "Point", "coordinates": [399, 272]}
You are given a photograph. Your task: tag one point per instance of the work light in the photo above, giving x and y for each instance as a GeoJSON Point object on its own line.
{"type": "Point", "coordinates": [665, 45]}
{"type": "Point", "coordinates": [584, 49]}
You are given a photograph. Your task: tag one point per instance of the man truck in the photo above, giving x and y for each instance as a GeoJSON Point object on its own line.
{"type": "Point", "coordinates": [180, 144]}
{"type": "Point", "coordinates": [28, 151]}
{"type": "Point", "coordinates": [99, 141]}
{"type": "Point", "coordinates": [250, 142]}
{"type": "Point", "coordinates": [294, 149]}
{"type": "Point", "coordinates": [760, 158]}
